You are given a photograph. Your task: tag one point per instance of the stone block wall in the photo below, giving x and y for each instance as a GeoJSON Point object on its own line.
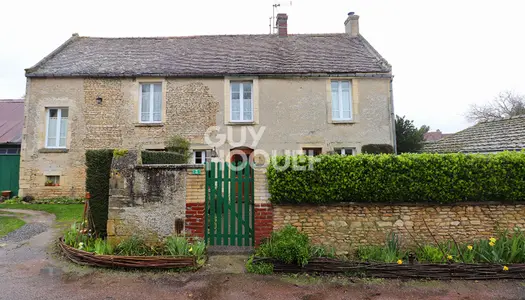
{"type": "Point", "coordinates": [345, 226]}
{"type": "Point", "coordinates": [147, 199]}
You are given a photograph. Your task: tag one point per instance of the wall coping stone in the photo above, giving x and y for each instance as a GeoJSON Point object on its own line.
{"type": "Point", "coordinates": [484, 203]}
{"type": "Point", "coordinates": [170, 166]}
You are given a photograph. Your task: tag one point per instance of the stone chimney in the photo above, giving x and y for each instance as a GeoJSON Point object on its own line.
{"type": "Point", "coordinates": [282, 24]}
{"type": "Point", "coordinates": [352, 24]}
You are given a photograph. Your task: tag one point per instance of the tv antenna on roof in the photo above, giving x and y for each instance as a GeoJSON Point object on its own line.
{"type": "Point", "coordinates": [272, 18]}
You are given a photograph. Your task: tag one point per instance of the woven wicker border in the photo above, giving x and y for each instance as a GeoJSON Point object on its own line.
{"type": "Point", "coordinates": [115, 261]}
{"type": "Point", "coordinates": [404, 271]}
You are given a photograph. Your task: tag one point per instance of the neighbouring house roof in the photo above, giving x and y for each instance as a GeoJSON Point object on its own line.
{"type": "Point", "coordinates": [434, 136]}
{"type": "Point", "coordinates": [11, 120]}
{"type": "Point", "coordinates": [484, 137]}
{"type": "Point", "coordinates": [208, 56]}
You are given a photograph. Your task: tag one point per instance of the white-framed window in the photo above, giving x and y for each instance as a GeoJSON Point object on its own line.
{"type": "Point", "coordinates": [312, 151]}
{"type": "Point", "coordinates": [56, 131]}
{"type": "Point", "coordinates": [199, 157]}
{"type": "Point", "coordinates": [345, 151]}
{"type": "Point", "coordinates": [241, 101]}
{"type": "Point", "coordinates": [150, 103]}
{"type": "Point", "coordinates": [53, 180]}
{"type": "Point", "coordinates": [341, 100]}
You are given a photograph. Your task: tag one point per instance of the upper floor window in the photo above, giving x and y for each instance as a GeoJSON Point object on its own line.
{"type": "Point", "coordinates": [56, 131]}
{"type": "Point", "coordinates": [150, 102]}
{"type": "Point", "coordinates": [341, 100]}
{"type": "Point", "coordinates": [241, 105]}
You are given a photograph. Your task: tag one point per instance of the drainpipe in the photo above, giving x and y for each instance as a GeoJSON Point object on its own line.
{"type": "Point", "coordinates": [392, 114]}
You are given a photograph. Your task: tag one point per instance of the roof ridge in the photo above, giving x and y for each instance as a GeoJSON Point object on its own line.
{"type": "Point", "coordinates": [73, 37]}
{"type": "Point", "coordinates": [503, 119]}
{"type": "Point", "coordinates": [212, 35]}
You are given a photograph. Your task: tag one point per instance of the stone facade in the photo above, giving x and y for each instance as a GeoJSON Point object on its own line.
{"type": "Point", "coordinates": [147, 199]}
{"type": "Point", "coordinates": [346, 226]}
{"type": "Point", "coordinates": [294, 112]}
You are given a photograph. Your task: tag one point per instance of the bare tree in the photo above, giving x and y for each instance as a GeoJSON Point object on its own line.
{"type": "Point", "coordinates": [506, 104]}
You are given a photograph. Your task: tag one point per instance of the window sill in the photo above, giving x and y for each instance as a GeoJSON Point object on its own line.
{"type": "Point", "coordinates": [148, 124]}
{"type": "Point", "coordinates": [53, 150]}
{"type": "Point", "coordinates": [343, 122]}
{"type": "Point", "coordinates": [241, 123]}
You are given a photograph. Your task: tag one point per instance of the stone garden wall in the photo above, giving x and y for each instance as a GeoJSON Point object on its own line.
{"type": "Point", "coordinates": [147, 199]}
{"type": "Point", "coordinates": [348, 225]}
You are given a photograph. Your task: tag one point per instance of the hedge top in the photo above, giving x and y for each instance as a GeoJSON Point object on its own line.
{"type": "Point", "coordinates": [425, 178]}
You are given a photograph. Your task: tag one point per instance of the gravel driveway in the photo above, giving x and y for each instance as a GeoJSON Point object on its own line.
{"type": "Point", "coordinates": [29, 269]}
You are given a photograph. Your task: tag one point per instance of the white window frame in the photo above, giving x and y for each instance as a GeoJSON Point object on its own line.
{"type": "Point", "coordinates": [241, 99]}
{"type": "Point", "coordinates": [203, 157]}
{"type": "Point", "coordinates": [344, 150]}
{"type": "Point", "coordinates": [151, 102]}
{"type": "Point", "coordinates": [59, 125]}
{"type": "Point", "coordinates": [340, 100]}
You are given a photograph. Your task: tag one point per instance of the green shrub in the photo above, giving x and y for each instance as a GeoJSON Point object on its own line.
{"type": "Point", "coordinates": [98, 163]}
{"type": "Point", "coordinates": [390, 253]}
{"type": "Point", "coordinates": [134, 246]}
{"type": "Point", "coordinates": [377, 149]}
{"type": "Point", "coordinates": [262, 268]}
{"type": "Point", "coordinates": [102, 247]}
{"type": "Point", "coordinates": [177, 246]}
{"type": "Point", "coordinates": [435, 178]}
{"type": "Point", "coordinates": [178, 144]}
{"type": "Point", "coordinates": [287, 245]}
{"type": "Point", "coordinates": [162, 158]}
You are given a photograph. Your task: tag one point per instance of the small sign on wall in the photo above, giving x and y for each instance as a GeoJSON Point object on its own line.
{"type": "Point", "coordinates": [196, 172]}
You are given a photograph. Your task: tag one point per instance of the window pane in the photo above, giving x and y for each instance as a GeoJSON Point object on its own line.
{"type": "Point", "coordinates": [335, 85]}
{"type": "Point", "coordinates": [53, 113]}
{"type": "Point", "coordinates": [145, 101]}
{"type": "Point", "coordinates": [346, 115]}
{"type": "Point", "coordinates": [346, 100]}
{"type": "Point", "coordinates": [236, 87]}
{"type": "Point", "coordinates": [236, 95]}
{"type": "Point", "coordinates": [345, 85]}
{"type": "Point", "coordinates": [65, 113]}
{"type": "Point", "coordinates": [157, 103]}
{"type": "Point", "coordinates": [236, 115]}
{"type": "Point", "coordinates": [335, 104]}
{"type": "Point", "coordinates": [63, 132]}
{"type": "Point", "coordinates": [247, 90]}
{"type": "Point", "coordinates": [52, 128]}
{"type": "Point", "coordinates": [247, 116]}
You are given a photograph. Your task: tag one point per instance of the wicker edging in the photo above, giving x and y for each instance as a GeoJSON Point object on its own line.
{"type": "Point", "coordinates": [116, 261]}
{"type": "Point", "coordinates": [404, 271]}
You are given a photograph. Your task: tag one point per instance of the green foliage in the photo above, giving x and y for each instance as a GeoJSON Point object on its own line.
{"type": "Point", "coordinates": [15, 200]}
{"type": "Point", "coordinates": [377, 149]}
{"type": "Point", "coordinates": [64, 213]}
{"type": "Point", "coordinates": [8, 224]}
{"type": "Point", "coordinates": [390, 253]}
{"type": "Point", "coordinates": [98, 163]}
{"type": "Point", "coordinates": [135, 246]}
{"type": "Point", "coordinates": [430, 253]}
{"type": "Point", "coordinates": [59, 200]}
{"type": "Point", "coordinates": [287, 245]}
{"type": "Point", "coordinates": [119, 152]}
{"type": "Point", "coordinates": [177, 246]}
{"type": "Point", "coordinates": [162, 158]}
{"type": "Point", "coordinates": [262, 268]}
{"type": "Point", "coordinates": [321, 251]}
{"type": "Point", "coordinates": [433, 178]}
{"type": "Point", "coordinates": [102, 247]}
{"type": "Point", "coordinates": [179, 145]}
{"type": "Point", "coordinates": [409, 138]}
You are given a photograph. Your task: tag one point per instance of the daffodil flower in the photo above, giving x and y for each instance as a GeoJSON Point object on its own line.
{"type": "Point", "coordinates": [505, 268]}
{"type": "Point", "coordinates": [492, 244]}
{"type": "Point", "coordinates": [449, 257]}
{"type": "Point", "coordinates": [492, 240]}
{"type": "Point", "coordinates": [399, 262]}
{"type": "Point", "coordinates": [80, 246]}
{"type": "Point", "coordinates": [191, 249]}
{"type": "Point", "coordinates": [469, 247]}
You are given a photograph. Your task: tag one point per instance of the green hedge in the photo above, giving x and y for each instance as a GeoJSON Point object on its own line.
{"type": "Point", "coordinates": [160, 157]}
{"type": "Point", "coordinates": [98, 163]}
{"type": "Point", "coordinates": [435, 178]}
{"type": "Point", "coordinates": [377, 149]}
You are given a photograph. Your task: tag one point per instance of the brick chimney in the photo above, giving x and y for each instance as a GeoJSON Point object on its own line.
{"type": "Point", "coordinates": [352, 24]}
{"type": "Point", "coordinates": [282, 24]}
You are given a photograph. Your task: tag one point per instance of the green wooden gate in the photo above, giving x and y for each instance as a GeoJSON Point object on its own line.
{"type": "Point", "coordinates": [9, 173]}
{"type": "Point", "coordinates": [229, 215]}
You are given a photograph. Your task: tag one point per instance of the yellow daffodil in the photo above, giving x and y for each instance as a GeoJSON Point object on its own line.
{"type": "Point", "coordinates": [191, 249]}
{"type": "Point", "coordinates": [449, 257]}
{"type": "Point", "coordinates": [399, 262]}
{"type": "Point", "coordinates": [505, 268]}
{"type": "Point", "coordinates": [469, 247]}
{"type": "Point", "coordinates": [80, 246]}
{"type": "Point", "coordinates": [492, 239]}
{"type": "Point", "coordinates": [492, 244]}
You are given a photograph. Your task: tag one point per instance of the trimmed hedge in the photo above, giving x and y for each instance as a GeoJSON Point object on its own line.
{"type": "Point", "coordinates": [377, 149]}
{"type": "Point", "coordinates": [434, 178]}
{"type": "Point", "coordinates": [162, 158]}
{"type": "Point", "coordinates": [98, 163]}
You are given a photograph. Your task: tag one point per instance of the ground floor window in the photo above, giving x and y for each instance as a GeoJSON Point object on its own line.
{"type": "Point", "coordinates": [312, 151]}
{"type": "Point", "coordinates": [199, 157]}
{"type": "Point", "coordinates": [345, 151]}
{"type": "Point", "coordinates": [53, 180]}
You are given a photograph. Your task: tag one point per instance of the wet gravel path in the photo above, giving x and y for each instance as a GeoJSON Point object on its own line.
{"type": "Point", "coordinates": [24, 233]}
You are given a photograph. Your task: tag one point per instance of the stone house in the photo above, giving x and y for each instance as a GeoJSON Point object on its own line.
{"type": "Point", "coordinates": [314, 93]}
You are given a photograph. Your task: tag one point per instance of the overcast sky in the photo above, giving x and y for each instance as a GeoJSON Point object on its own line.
{"type": "Point", "coordinates": [445, 54]}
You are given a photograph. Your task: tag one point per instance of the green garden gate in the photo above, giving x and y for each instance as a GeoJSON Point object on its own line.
{"type": "Point", "coordinates": [9, 173]}
{"type": "Point", "coordinates": [229, 214]}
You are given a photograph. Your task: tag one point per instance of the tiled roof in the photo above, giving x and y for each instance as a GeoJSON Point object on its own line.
{"type": "Point", "coordinates": [484, 137]}
{"type": "Point", "coordinates": [202, 56]}
{"type": "Point", "coordinates": [11, 121]}
{"type": "Point", "coordinates": [434, 136]}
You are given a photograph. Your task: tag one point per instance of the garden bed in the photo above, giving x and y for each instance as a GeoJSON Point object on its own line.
{"type": "Point", "coordinates": [117, 261]}
{"type": "Point", "coordinates": [401, 271]}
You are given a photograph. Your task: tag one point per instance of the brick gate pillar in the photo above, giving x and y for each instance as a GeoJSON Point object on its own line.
{"type": "Point", "coordinates": [195, 198]}
{"type": "Point", "coordinates": [263, 207]}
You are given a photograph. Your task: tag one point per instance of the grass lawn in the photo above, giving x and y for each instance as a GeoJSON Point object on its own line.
{"type": "Point", "coordinates": [8, 224]}
{"type": "Point", "coordinates": [64, 212]}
